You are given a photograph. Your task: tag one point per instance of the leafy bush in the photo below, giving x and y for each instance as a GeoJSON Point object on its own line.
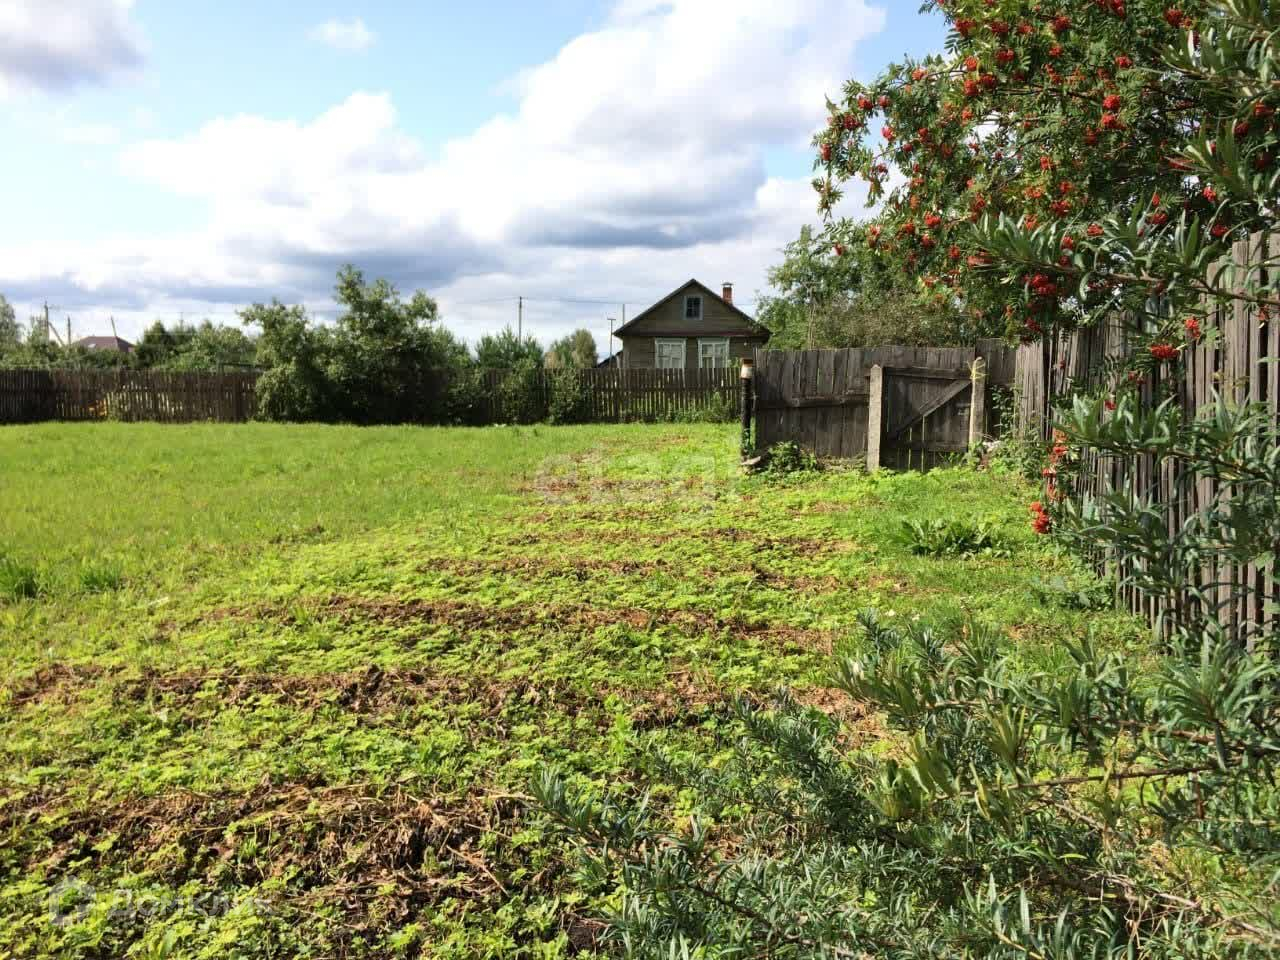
{"type": "Point", "coordinates": [520, 396]}
{"type": "Point", "coordinates": [292, 392]}
{"type": "Point", "coordinates": [1020, 449]}
{"type": "Point", "coordinates": [1091, 812]}
{"type": "Point", "coordinates": [18, 580]}
{"type": "Point", "coordinates": [952, 538]}
{"type": "Point", "coordinates": [383, 362]}
{"type": "Point", "coordinates": [570, 397]}
{"type": "Point", "coordinates": [787, 458]}
{"type": "Point", "coordinates": [1087, 594]}
{"type": "Point", "coordinates": [466, 399]}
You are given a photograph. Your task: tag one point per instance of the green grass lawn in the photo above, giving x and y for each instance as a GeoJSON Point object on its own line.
{"type": "Point", "coordinates": [309, 671]}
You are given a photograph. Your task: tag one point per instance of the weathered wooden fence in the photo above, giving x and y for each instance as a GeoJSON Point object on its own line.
{"type": "Point", "coordinates": [28, 396]}
{"type": "Point", "coordinates": [1240, 365]}
{"type": "Point", "coordinates": [618, 396]}
{"type": "Point", "coordinates": [606, 395]}
{"type": "Point", "coordinates": [921, 403]}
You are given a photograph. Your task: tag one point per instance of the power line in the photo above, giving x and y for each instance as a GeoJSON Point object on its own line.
{"type": "Point", "coordinates": [476, 303]}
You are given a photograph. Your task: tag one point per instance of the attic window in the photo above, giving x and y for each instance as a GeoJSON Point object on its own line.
{"type": "Point", "coordinates": [693, 308]}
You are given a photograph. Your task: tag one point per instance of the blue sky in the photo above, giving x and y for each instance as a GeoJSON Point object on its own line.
{"type": "Point", "coordinates": [182, 159]}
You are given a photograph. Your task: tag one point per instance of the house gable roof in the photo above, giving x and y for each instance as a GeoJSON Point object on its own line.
{"type": "Point", "coordinates": [628, 328]}
{"type": "Point", "coordinates": [104, 343]}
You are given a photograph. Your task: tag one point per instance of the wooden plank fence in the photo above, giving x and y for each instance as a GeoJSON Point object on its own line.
{"type": "Point", "coordinates": [614, 395]}
{"type": "Point", "coordinates": [823, 400]}
{"type": "Point", "coordinates": [28, 396]}
{"type": "Point", "coordinates": [607, 395]}
{"type": "Point", "coordinates": [1241, 365]}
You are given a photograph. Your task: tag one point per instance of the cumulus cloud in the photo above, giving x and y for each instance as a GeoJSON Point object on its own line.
{"type": "Point", "coordinates": [58, 45]}
{"type": "Point", "coordinates": [635, 159]}
{"type": "Point", "coordinates": [349, 35]}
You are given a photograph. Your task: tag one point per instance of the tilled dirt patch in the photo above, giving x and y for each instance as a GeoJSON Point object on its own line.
{"type": "Point", "coordinates": [357, 847]}
{"type": "Point", "coordinates": [563, 617]}
{"type": "Point", "coordinates": [56, 682]}
{"type": "Point", "coordinates": [789, 546]}
{"type": "Point", "coordinates": [684, 698]}
{"type": "Point", "coordinates": [584, 569]}
{"type": "Point", "coordinates": [384, 691]}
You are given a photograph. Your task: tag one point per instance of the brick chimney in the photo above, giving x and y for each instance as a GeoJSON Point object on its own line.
{"type": "Point", "coordinates": [728, 293]}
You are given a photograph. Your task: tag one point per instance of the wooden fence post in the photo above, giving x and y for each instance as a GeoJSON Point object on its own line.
{"type": "Point", "coordinates": [978, 408]}
{"type": "Point", "coordinates": [875, 418]}
{"type": "Point", "coordinates": [746, 392]}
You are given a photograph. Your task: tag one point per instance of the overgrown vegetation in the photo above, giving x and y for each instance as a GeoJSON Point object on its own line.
{"type": "Point", "coordinates": [304, 721]}
{"type": "Point", "coordinates": [388, 359]}
{"type": "Point", "coordinates": [839, 294]}
{"type": "Point", "coordinates": [1054, 167]}
{"type": "Point", "coordinates": [787, 458]}
{"type": "Point", "coordinates": [18, 580]}
{"type": "Point", "coordinates": [951, 538]}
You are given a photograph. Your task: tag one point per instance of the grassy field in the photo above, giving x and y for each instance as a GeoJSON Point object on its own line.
{"type": "Point", "coordinates": [280, 690]}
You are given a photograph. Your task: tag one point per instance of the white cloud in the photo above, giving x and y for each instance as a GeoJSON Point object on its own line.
{"type": "Point", "coordinates": [90, 135]}
{"type": "Point", "coordinates": [57, 45]}
{"type": "Point", "coordinates": [636, 158]}
{"type": "Point", "coordinates": [350, 35]}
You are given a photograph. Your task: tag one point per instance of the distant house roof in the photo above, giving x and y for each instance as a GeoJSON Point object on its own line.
{"type": "Point", "coordinates": [746, 318]}
{"type": "Point", "coordinates": [610, 361]}
{"type": "Point", "coordinates": [105, 343]}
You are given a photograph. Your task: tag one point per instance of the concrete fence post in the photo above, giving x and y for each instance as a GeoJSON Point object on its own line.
{"type": "Point", "coordinates": [875, 418]}
{"type": "Point", "coordinates": [978, 408]}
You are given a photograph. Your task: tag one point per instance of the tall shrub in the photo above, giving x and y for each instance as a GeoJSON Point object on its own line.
{"type": "Point", "coordinates": [570, 396]}
{"type": "Point", "coordinates": [387, 360]}
{"type": "Point", "coordinates": [521, 394]}
{"type": "Point", "coordinates": [295, 386]}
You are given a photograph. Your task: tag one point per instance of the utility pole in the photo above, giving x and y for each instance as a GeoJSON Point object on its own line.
{"type": "Point", "coordinates": [520, 321]}
{"type": "Point", "coordinates": [68, 330]}
{"type": "Point", "coordinates": [46, 321]}
{"type": "Point", "coordinates": [624, 323]}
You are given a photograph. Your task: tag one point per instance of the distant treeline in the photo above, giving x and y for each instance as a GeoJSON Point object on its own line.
{"type": "Point", "coordinates": [359, 369]}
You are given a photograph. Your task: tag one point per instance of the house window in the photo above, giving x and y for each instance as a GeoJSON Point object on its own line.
{"type": "Point", "coordinates": [693, 308]}
{"type": "Point", "coordinates": [669, 354]}
{"type": "Point", "coordinates": [713, 354]}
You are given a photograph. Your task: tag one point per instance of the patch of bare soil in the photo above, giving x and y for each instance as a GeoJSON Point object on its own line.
{"type": "Point", "coordinates": [583, 569]}
{"type": "Point", "coordinates": [565, 617]}
{"type": "Point", "coordinates": [56, 682]}
{"type": "Point", "coordinates": [791, 546]}
{"type": "Point", "coordinates": [858, 724]}
{"type": "Point", "coordinates": [822, 508]}
{"type": "Point", "coordinates": [358, 847]}
{"type": "Point", "coordinates": [378, 692]}
{"type": "Point", "coordinates": [777, 580]}
{"type": "Point", "coordinates": [586, 489]}
{"type": "Point", "coordinates": [540, 567]}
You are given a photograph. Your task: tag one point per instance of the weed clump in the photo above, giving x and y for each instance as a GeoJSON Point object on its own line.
{"type": "Point", "coordinates": [18, 580]}
{"type": "Point", "coordinates": [788, 459]}
{"type": "Point", "coordinates": [100, 577]}
{"type": "Point", "coordinates": [953, 538]}
{"type": "Point", "coordinates": [1091, 595]}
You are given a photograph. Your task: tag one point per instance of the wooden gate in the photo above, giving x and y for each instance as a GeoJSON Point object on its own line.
{"type": "Point", "coordinates": [900, 407]}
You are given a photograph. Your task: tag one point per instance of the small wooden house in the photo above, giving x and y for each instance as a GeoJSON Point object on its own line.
{"type": "Point", "coordinates": [692, 328]}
